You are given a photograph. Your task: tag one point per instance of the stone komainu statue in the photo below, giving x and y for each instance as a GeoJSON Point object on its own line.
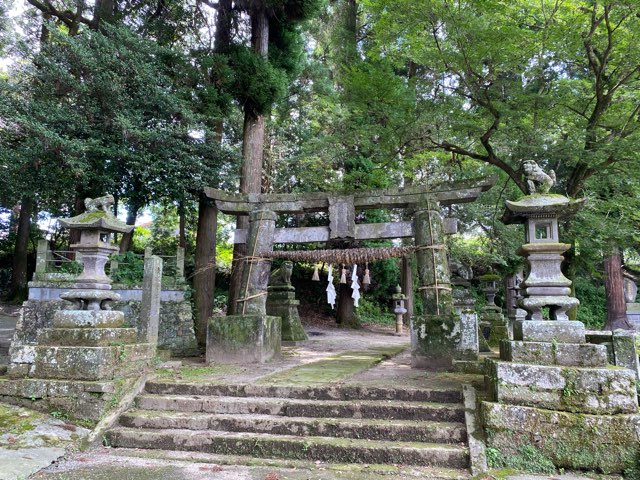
{"type": "Point", "coordinates": [281, 276]}
{"type": "Point", "coordinates": [537, 180]}
{"type": "Point", "coordinates": [99, 204]}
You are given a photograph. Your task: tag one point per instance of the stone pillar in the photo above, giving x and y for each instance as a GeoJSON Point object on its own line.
{"type": "Point", "coordinates": [42, 258]}
{"type": "Point", "coordinates": [250, 336]}
{"type": "Point", "coordinates": [435, 336]}
{"type": "Point", "coordinates": [150, 305]}
{"type": "Point", "coordinates": [180, 264]}
{"type": "Point", "coordinates": [433, 265]}
{"type": "Point", "coordinates": [255, 274]}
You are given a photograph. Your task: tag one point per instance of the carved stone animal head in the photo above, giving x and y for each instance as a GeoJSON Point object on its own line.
{"type": "Point", "coordinates": [99, 204]}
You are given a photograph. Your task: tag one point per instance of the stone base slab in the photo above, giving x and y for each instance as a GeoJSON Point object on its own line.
{"type": "Point", "coordinates": [75, 398]}
{"type": "Point", "coordinates": [608, 443]}
{"type": "Point", "coordinates": [564, 354]}
{"type": "Point", "coordinates": [89, 363]}
{"type": "Point", "coordinates": [90, 337]}
{"type": "Point", "coordinates": [552, 331]}
{"type": "Point", "coordinates": [599, 391]}
{"type": "Point", "coordinates": [88, 318]}
{"type": "Point", "coordinates": [243, 339]}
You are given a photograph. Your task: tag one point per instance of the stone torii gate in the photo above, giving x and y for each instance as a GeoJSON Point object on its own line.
{"type": "Point", "coordinates": [251, 335]}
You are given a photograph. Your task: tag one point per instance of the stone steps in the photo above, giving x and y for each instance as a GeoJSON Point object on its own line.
{"type": "Point", "coordinates": [376, 409]}
{"type": "Point", "coordinates": [373, 429]}
{"type": "Point", "coordinates": [338, 392]}
{"type": "Point", "coordinates": [353, 424]}
{"type": "Point", "coordinates": [285, 468]}
{"type": "Point", "coordinates": [325, 449]}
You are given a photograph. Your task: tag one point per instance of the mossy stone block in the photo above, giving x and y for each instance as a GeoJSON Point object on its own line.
{"type": "Point", "coordinates": [608, 443]}
{"type": "Point", "coordinates": [599, 391]}
{"type": "Point", "coordinates": [243, 339]}
{"type": "Point", "coordinates": [434, 341]}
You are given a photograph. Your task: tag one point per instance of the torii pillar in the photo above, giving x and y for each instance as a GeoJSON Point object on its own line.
{"type": "Point", "coordinates": [251, 336]}
{"type": "Point", "coordinates": [435, 335]}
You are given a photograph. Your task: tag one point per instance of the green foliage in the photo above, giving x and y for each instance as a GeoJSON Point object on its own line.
{"type": "Point", "coordinates": [593, 302]}
{"type": "Point", "coordinates": [130, 269]}
{"type": "Point", "coordinates": [528, 458]}
{"type": "Point", "coordinates": [256, 82]}
{"type": "Point", "coordinates": [369, 311]}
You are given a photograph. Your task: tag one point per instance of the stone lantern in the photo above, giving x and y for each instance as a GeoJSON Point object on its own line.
{"type": "Point", "coordinates": [545, 285]}
{"type": "Point", "coordinates": [398, 308]}
{"type": "Point", "coordinates": [91, 287]}
{"type": "Point", "coordinates": [87, 341]}
{"type": "Point", "coordinates": [96, 226]}
{"type": "Point", "coordinates": [490, 289]}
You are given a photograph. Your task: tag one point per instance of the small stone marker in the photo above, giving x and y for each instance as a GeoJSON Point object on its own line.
{"type": "Point", "coordinates": [150, 307]}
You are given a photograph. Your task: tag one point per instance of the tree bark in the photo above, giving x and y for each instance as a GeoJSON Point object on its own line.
{"type": "Point", "coordinates": [126, 243]}
{"type": "Point", "coordinates": [204, 278]}
{"type": "Point", "coordinates": [18, 284]}
{"type": "Point", "coordinates": [252, 154]}
{"type": "Point", "coordinates": [614, 288]}
{"type": "Point", "coordinates": [78, 208]}
{"type": "Point", "coordinates": [345, 311]}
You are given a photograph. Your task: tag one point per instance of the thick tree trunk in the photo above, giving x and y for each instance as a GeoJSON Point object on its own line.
{"type": "Point", "coordinates": [204, 278]}
{"type": "Point", "coordinates": [126, 243]}
{"type": "Point", "coordinates": [406, 282]}
{"type": "Point", "coordinates": [103, 12]}
{"type": "Point", "coordinates": [18, 284]}
{"type": "Point", "coordinates": [78, 208]}
{"type": "Point", "coordinates": [345, 312]}
{"type": "Point", "coordinates": [614, 288]}
{"type": "Point", "coordinates": [252, 154]}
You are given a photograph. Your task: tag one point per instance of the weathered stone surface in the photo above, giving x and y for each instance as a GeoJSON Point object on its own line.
{"type": "Point", "coordinates": [77, 399]}
{"type": "Point", "coordinates": [549, 331]}
{"type": "Point", "coordinates": [256, 269]}
{"type": "Point", "coordinates": [582, 390]}
{"type": "Point", "coordinates": [434, 340]}
{"type": "Point", "coordinates": [468, 347]}
{"type": "Point", "coordinates": [90, 337]}
{"type": "Point", "coordinates": [150, 304]}
{"type": "Point", "coordinates": [564, 354]}
{"type": "Point", "coordinates": [433, 265]}
{"type": "Point", "coordinates": [608, 443]}
{"type": "Point", "coordinates": [90, 363]}
{"type": "Point", "coordinates": [342, 217]}
{"type": "Point", "coordinates": [243, 338]}
{"type": "Point", "coordinates": [626, 348]}
{"type": "Point", "coordinates": [287, 310]}
{"type": "Point", "coordinates": [633, 314]}
{"type": "Point", "coordinates": [493, 320]}
{"type": "Point", "coordinates": [88, 319]}
{"type": "Point", "coordinates": [176, 331]}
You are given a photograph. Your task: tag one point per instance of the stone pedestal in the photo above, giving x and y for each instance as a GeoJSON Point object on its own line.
{"type": "Point", "coordinates": [493, 322]}
{"type": "Point", "coordinates": [243, 339]}
{"type": "Point", "coordinates": [281, 302]}
{"type": "Point", "coordinates": [551, 392]}
{"type": "Point", "coordinates": [434, 341]}
{"type": "Point", "coordinates": [633, 315]}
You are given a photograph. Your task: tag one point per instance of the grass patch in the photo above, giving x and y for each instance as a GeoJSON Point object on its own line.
{"type": "Point", "coordinates": [332, 369]}
{"type": "Point", "coordinates": [195, 373]}
{"type": "Point", "coordinates": [16, 421]}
